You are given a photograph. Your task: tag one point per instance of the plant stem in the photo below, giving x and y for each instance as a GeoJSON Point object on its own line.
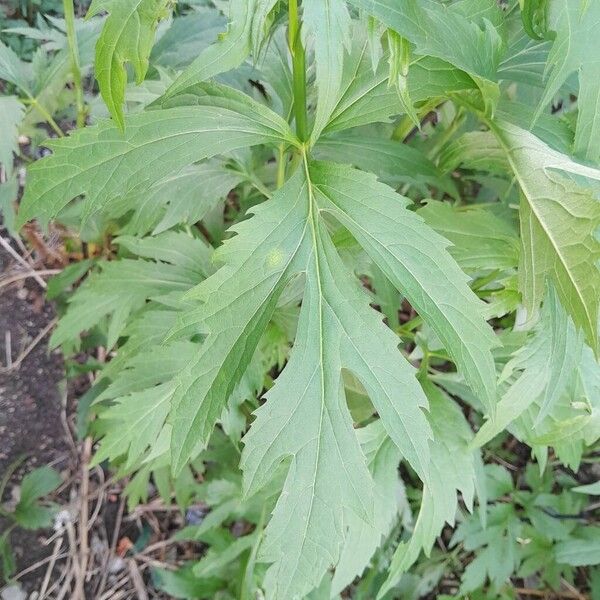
{"type": "Point", "coordinates": [281, 164]}
{"type": "Point", "coordinates": [75, 68]}
{"type": "Point", "coordinates": [31, 101]}
{"type": "Point", "coordinates": [299, 70]}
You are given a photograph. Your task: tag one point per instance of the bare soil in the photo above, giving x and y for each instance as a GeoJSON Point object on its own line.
{"type": "Point", "coordinates": [31, 425]}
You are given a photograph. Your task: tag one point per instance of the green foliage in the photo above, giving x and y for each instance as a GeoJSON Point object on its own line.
{"type": "Point", "coordinates": [339, 237]}
{"type": "Point", "coordinates": [30, 511]}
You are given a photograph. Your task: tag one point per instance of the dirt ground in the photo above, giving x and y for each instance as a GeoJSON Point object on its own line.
{"type": "Point", "coordinates": [32, 422]}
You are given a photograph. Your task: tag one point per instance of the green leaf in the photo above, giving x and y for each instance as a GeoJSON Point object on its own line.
{"type": "Point", "coordinates": [9, 191]}
{"type": "Point", "coordinates": [454, 468]}
{"type": "Point", "coordinates": [35, 485]}
{"type": "Point", "coordinates": [559, 219]}
{"type": "Point", "coordinates": [328, 23]}
{"type": "Point", "coordinates": [575, 50]}
{"type": "Point", "coordinates": [583, 550]}
{"type": "Point", "coordinates": [337, 330]}
{"type": "Point", "coordinates": [244, 32]}
{"type": "Point", "coordinates": [13, 69]}
{"type": "Point", "coordinates": [7, 557]}
{"type": "Point", "coordinates": [134, 423]}
{"type": "Point", "coordinates": [156, 144]}
{"type": "Point", "coordinates": [441, 31]}
{"type": "Point", "coordinates": [362, 540]}
{"type": "Point", "coordinates": [481, 240]}
{"type": "Point", "coordinates": [592, 489]}
{"type": "Point", "coordinates": [540, 371]}
{"type": "Point", "coordinates": [417, 263]}
{"type": "Point", "coordinates": [367, 97]}
{"type": "Point", "coordinates": [233, 307]}
{"type": "Point", "coordinates": [127, 36]}
{"type": "Point", "coordinates": [12, 114]}
{"type": "Point", "coordinates": [393, 161]}
{"type": "Point", "coordinates": [184, 584]}
{"type": "Point", "coordinates": [182, 198]}
{"type": "Point", "coordinates": [305, 416]}
{"type": "Point", "coordinates": [118, 289]}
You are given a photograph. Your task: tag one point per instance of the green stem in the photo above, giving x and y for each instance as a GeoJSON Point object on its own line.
{"type": "Point", "coordinates": [75, 67]}
{"type": "Point", "coordinates": [447, 135]}
{"type": "Point", "coordinates": [281, 164]}
{"type": "Point", "coordinates": [31, 101]}
{"type": "Point", "coordinates": [406, 124]}
{"type": "Point", "coordinates": [299, 71]}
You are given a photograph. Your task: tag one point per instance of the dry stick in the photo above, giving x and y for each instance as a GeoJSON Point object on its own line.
{"type": "Point", "coordinates": [73, 554]}
{"type": "Point", "coordinates": [84, 550]}
{"type": "Point", "coordinates": [136, 579]}
{"type": "Point", "coordinates": [38, 338]}
{"type": "Point", "coordinates": [40, 563]}
{"type": "Point", "coordinates": [20, 276]}
{"type": "Point", "coordinates": [572, 589]}
{"type": "Point", "coordinates": [113, 547]}
{"type": "Point", "coordinates": [8, 348]}
{"type": "Point", "coordinates": [58, 582]}
{"type": "Point", "coordinates": [151, 562]}
{"type": "Point", "coordinates": [21, 260]}
{"type": "Point", "coordinates": [99, 501]}
{"type": "Point", "coordinates": [118, 584]}
{"type": "Point", "coordinates": [544, 594]}
{"type": "Point", "coordinates": [67, 583]}
{"type": "Point", "coordinates": [57, 547]}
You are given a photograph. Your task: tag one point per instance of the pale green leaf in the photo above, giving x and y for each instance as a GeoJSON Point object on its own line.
{"type": "Point", "coordinates": [362, 540]}
{"type": "Point", "coordinates": [133, 424]}
{"type": "Point", "coordinates": [13, 69]}
{"type": "Point", "coordinates": [12, 114]}
{"type": "Point", "coordinates": [306, 416]}
{"type": "Point", "coordinates": [235, 305]}
{"type": "Point", "coordinates": [581, 550]}
{"type": "Point", "coordinates": [120, 288]}
{"type": "Point", "coordinates": [559, 219]}
{"type": "Point", "coordinates": [481, 240]}
{"type": "Point", "coordinates": [367, 97]}
{"type": "Point", "coordinates": [454, 468]}
{"type": "Point", "coordinates": [575, 49]}
{"type": "Point", "coordinates": [328, 23]}
{"type": "Point", "coordinates": [539, 372]}
{"type": "Point", "coordinates": [337, 330]}
{"type": "Point", "coordinates": [592, 489]}
{"type": "Point", "coordinates": [414, 258]}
